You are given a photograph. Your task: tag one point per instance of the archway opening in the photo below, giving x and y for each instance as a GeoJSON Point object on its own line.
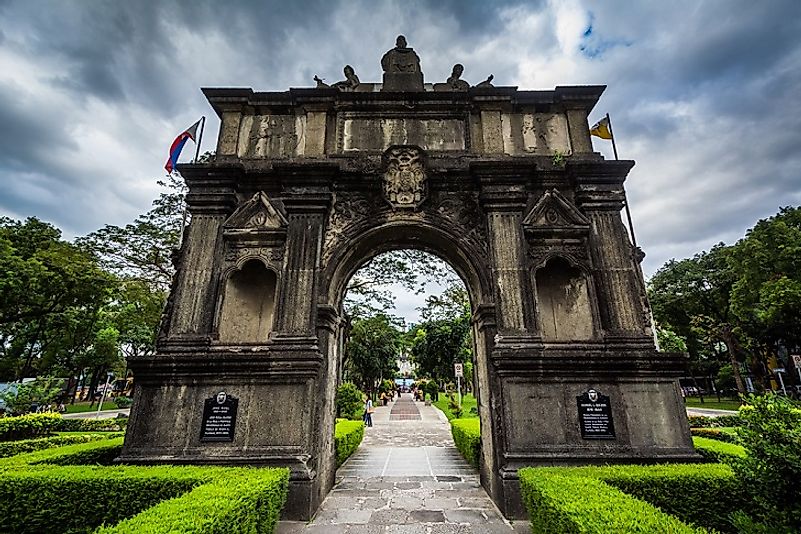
{"type": "Point", "coordinates": [248, 304]}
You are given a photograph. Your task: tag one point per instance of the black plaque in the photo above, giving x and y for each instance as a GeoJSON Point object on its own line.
{"type": "Point", "coordinates": [595, 415]}
{"type": "Point", "coordinates": [219, 418]}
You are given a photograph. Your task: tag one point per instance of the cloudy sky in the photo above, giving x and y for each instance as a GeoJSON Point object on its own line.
{"type": "Point", "coordinates": [704, 95]}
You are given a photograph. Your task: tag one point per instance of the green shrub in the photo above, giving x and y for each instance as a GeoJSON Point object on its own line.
{"type": "Point", "coordinates": [432, 389]}
{"type": "Point", "coordinates": [123, 402]}
{"type": "Point", "coordinates": [349, 402]}
{"type": "Point", "coordinates": [560, 502]}
{"type": "Point", "coordinates": [718, 451]}
{"type": "Point", "coordinates": [721, 434]}
{"type": "Point", "coordinates": [116, 424]}
{"type": "Point", "coordinates": [699, 494]}
{"type": "Point", "coordinates": [101, 452]}
{"type": "Point", "coordinates": [771, 468]}
{"type": "Point", "coordinates": [702, 421]}
{"type": "Point", "coordinates": [248, 501]}
{"type": "Point", "coordinates": [28, 426]}
{"type": "Point", "coordinates": [467, 437]}
{"type": "Point", "coordinates": [347, 437]}
{"type": "Point", "coordinates": [36, 500]}
{"type": "Point", "coordinates": [12, 448]}
{"type": "Point", "coordinates": [454, 407]}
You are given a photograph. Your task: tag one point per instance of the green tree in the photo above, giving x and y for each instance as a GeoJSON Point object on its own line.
{"type": "Point", "coordinates": [369, 292]}
{"type": "Point", "coordinates": [42, 391]}
{"type": "Point", "coordinates": [692, 298]}
{"type": "Point", "coordinates": [766, 296]}
{"type": "Point", "coordinates": [143, 250]}
{"type": "Point", "coordinates": [51, 293]}
{"type": "Point", "coordinates": [371, 350]}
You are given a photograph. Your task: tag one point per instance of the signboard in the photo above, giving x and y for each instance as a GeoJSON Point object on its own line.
{"type": "Point", "coordinates": [458, 370]}
{"type": "Point", "coordinates": [595, 415]}
{"type": "Point", "coordinates": [219, 418]}
{"type": "Point", "coordinates": [797, 360]}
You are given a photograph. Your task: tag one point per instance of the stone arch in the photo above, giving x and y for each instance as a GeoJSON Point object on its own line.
{"type": "Point", "coordinates": [564, 301]}
{"type": "Point", "coordinates": [248, 303]}
{"type": "Point", "coordinates": [434, 238]}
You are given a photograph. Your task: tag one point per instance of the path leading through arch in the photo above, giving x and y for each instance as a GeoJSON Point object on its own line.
{"type": "Point", "coordinates": [406, 477]}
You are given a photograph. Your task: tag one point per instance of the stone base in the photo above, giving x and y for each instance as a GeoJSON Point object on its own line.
{"type": "Point", "coordinates": [402, 82]}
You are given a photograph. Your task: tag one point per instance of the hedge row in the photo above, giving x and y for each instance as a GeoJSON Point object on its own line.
{"type": "Point", "coordinates": [467, 437]}
{"type": "Point", "coordinates": [117, 424]}
{"type": "Point", "coordinates": [718, 451]}
{"type": "Point", "coordinates": [101, 452]}
{"type": "Point", "coordinates": [702, 421]}
{"type": "Point", "coordinates": [347, 437]}
{"type": "Point", "coordinates": [721, 434]}
{"type": "Point", "coordinates": [28, 426]}
{"type": "Point", "coordinates": [12, 448]}
{"type": "Point", "coordinates": [699, 494]}
{"type": "Point", "coordinates": [559, 501]}
{"type": "Point", "coordinates": [247, 501]}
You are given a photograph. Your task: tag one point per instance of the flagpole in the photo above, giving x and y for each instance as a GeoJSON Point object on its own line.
{"type": "Point", "coordinates": [612, 133]}
{"type": "Point", "coordinates": [203, 125]}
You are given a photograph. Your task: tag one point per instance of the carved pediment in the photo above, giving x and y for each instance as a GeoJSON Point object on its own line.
{"type": "Point", "coordinates": [256, 215]}
{"type": "Point", "coordinates": [554, 214]}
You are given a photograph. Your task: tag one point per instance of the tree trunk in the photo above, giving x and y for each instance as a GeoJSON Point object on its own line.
{"type": "Point", "coordinates": [731, 346]}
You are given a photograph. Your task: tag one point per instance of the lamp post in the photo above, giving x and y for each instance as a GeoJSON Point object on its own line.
{"type": "Point", "coordinates": [103, 395]}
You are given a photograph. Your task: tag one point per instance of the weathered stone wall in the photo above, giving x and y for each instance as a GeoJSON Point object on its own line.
{"type": "Point", "coordinates": [312, 183]}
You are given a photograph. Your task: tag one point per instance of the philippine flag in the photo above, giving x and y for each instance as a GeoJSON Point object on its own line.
{"type": "Point", "coordinates": [178, 145]}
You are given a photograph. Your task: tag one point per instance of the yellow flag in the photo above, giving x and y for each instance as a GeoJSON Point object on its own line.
{"type": "Point", "coordinates": [601, 129]}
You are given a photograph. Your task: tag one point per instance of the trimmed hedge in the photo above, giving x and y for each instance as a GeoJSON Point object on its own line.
{"type": "Point", "coordinates": [721, 434]}
{"type": "Point", "coordinates": [247, 501]}
{"type": "Point", "coordinates": [702, 421]}
{"type": "Point", "coordinates": [565, 502]}
{"type": "Point", "coordinates": [698, 494]}
{"type": "Point", "coordinates": [467, 437]}
{"type": "Point", "coordinates": [116, 424]}
{"type": "Point", "coordinates": [28, 426]}
{"type": "Point", "coordinates": [101, 452]}
{"type": "Point", "coordinates": [347, 437]}
{"type": "Point", "coordinates": [12, 448]}
{"type": "Point", "coordinates": [36, 500]}
{"type": "Point", "coordinates": [718, 451]}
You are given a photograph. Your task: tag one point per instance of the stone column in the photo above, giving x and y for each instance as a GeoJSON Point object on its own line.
{"type": "Point", "coordinates": [579, 130]}
{"type": "Point", "coordinates": [615, 269]}
{"type": "Point", "coordinates": [229, 133]}
{"type": "Point", "coordinates": [299, 281]}
{"type": "Point", "coordinates": [194, 291]}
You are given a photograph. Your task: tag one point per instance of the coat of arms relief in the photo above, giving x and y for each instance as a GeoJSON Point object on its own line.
{"type": "Point", "coordinates": [405, 178]}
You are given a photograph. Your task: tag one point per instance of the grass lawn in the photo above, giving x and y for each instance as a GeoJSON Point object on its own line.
{"type": "Point", "coordinates": [80, 407]}
{"type": "Point", "coordinates": [712, 403]}
{"type": "Point", "coordinates": [468, 401]}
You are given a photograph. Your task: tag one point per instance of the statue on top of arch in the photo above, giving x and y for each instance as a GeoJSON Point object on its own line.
{"type": "Point", "coordinates": [401, 67]}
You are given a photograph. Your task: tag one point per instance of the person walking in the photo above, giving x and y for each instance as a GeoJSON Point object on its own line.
{"type": "Point", "coordinates": [368, 412]}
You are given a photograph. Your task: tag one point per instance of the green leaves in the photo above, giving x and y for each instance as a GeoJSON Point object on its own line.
{"type": "Point", "coordinates": [372, 350]}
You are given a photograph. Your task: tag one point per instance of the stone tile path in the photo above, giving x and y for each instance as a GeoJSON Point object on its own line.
{"type": "Point", "coordinates": [406, 478]}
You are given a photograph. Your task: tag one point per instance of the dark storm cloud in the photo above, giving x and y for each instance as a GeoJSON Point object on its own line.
{"type": "Point", "coordinates": [704, 95]}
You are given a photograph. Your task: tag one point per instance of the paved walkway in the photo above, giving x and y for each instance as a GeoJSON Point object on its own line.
{"type": "Point", "coordinates": [406, 478]}
{"type": "Point", "coordinates": [709, 412]}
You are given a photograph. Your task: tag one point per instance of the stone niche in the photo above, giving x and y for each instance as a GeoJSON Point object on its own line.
{"type": "Point", "coordinates": [563, 302]}
{"type": "Point", "coordinates": [248, 304]}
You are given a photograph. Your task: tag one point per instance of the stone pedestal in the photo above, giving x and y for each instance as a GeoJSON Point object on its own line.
{"type": "Point", "coordinates": [402, 82]}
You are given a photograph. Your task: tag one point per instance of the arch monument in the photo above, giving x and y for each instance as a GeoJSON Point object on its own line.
{"type": "Point", "coordinates": [308, 184]}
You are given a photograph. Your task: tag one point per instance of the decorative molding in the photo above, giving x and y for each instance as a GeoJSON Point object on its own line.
{"type": "Point", "coordinates": [256, 215]}
{"type": "Point", "coordinates": [405, 177]}
{"type": "Point", "coordinates": [553, 215]}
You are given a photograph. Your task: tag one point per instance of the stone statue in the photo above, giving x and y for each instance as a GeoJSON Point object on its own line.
{"type": "Point", "coordinates": [487, 82]}
{"type": "Point", "coordinates": [454, 82]}
{"type": "Point", "coordinates": [320, 82]}
{"type": "Point", "coordinates": [401, 67]}
{"type": "Point", "coordinates": [401, 58]}
{"type": "Point", "coordinates": [350, 82]}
